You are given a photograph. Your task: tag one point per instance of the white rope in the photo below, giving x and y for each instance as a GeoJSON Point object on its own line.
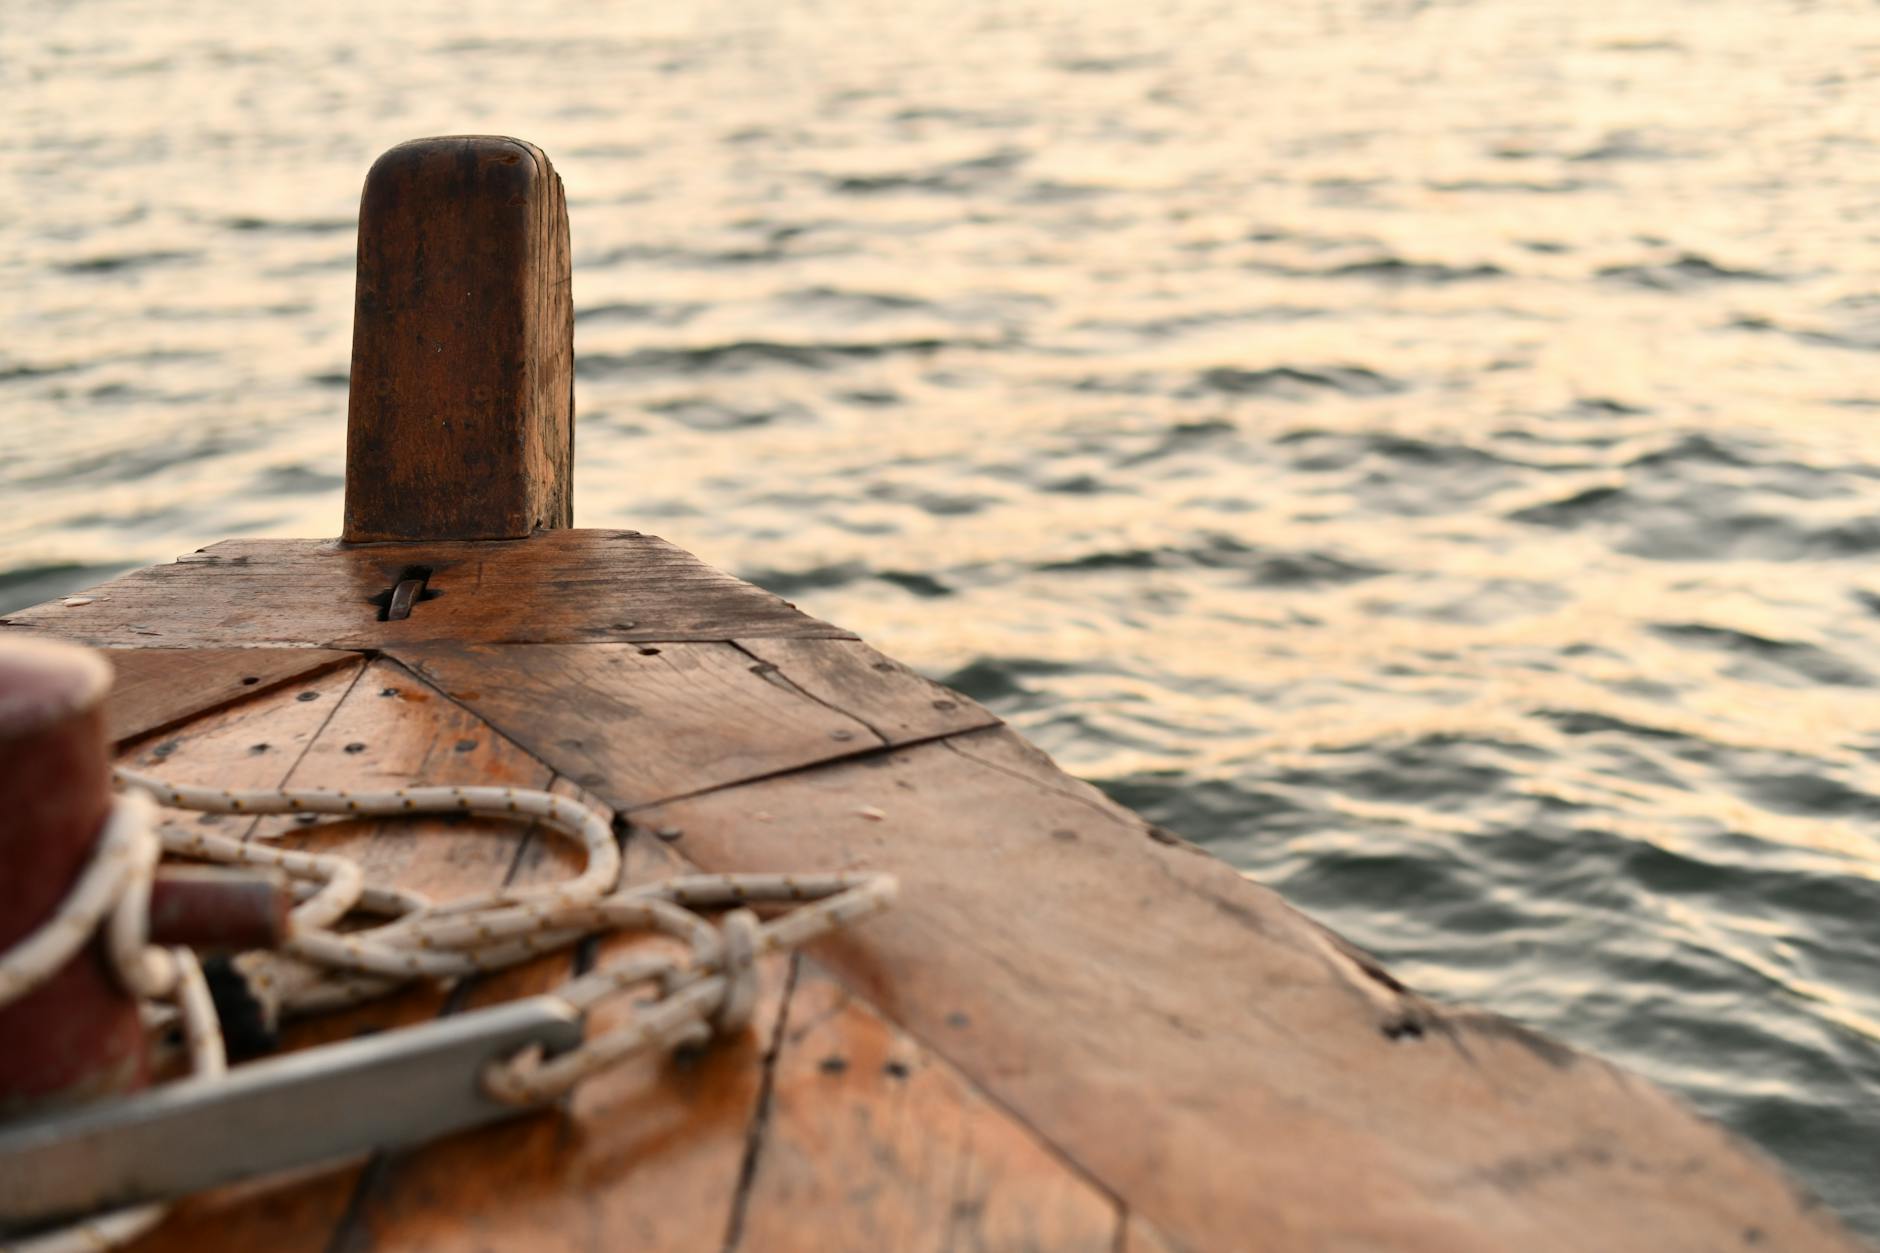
{"type": "Point", "coordinates": [711, 988]}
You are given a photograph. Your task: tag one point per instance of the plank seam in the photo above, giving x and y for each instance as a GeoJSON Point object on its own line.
{"type": "Point", "coordinates": [351, 1216]}
{"type": "Point", "coordinates": [424, 680]}
{"type": "Point", "coordinates": [734, 1230]}
{"type": "Point", "coordinates": [1065, 1157]}
{"type": "Point", "coordinates": [770, 670]}
{"type": "Point", "coordinates": [299, 676]}
{"type": "Point", "coordinates": [1070, 1162]}
{"type": "Point", "coordinates": [1396, 1007]}
{"type": "Point", "coordinates": [248, 832]}
{"type": "Point", "coordinates": [847, 758]}
{"type": "Point", "coordinates": [118, 748]}
{"type": "Point", "coordinates": [349, 1233]}
{"type": "Point", "coordinates": [355, 643]}
{"type": "Point", "coordinates": [1067, 793]}
{"type": "Point", "coordinates": [415, 668]}
{"type": "Point", "coordinates": [760, 1115]}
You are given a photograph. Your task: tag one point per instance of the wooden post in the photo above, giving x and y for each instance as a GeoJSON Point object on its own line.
{"type": "Point", "coordinates": [78, 1035]}
{"type": "Point", "coordinates": [461, 420]}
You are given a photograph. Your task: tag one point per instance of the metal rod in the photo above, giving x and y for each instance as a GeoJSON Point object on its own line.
{"type": "Point", "coordinates": [302, 1109]}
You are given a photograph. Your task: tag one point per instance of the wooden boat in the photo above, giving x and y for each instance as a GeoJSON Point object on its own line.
{"type": "Point", "coordinates": [1073, 1031]}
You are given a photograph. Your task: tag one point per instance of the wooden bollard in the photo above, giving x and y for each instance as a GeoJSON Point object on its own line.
{"type": "Point", "coordinates": [461, 414]}
{"type": "Point", "coordinates": [78, 1035]}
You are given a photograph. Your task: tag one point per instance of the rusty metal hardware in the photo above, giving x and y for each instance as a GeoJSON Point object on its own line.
{"type": "Point", "coordinates": [412, 587]}
{"type": "Point", "coordinates": [402, 597]}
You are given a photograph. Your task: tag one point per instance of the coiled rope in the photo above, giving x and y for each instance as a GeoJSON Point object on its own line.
{"type": "Point", "coordinates": [710, 989]}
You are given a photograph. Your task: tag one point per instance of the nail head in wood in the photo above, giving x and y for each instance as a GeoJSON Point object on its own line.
{"type": "Point", "coordinates": [461, 413]}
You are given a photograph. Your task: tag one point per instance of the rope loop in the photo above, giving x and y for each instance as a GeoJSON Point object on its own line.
{"type": "Point", "coordinates": [710, 987]}
{"type": "Point", "coordinates": [741, 930]}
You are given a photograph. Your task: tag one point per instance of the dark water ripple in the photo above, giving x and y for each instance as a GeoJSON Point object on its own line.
{"type": "Point", "coordinates": [1423, 451]}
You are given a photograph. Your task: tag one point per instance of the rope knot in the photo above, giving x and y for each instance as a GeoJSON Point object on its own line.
{"type": "Point", "coordinates": [711, 991]}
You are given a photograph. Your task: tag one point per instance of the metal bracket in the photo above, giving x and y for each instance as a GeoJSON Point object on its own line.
{"type": "Point", "coordinates": [402, 596]}
{"type": "Point", "coordinates": [410, 588]}
{"type": "Point", "coordinates": [316, 1106]}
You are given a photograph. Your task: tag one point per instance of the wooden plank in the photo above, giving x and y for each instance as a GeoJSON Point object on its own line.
{"type": "Point", "coordinates": [899, 705]}
{"type": "Point", "coordinates": [654, 722]}
{"type": "Point", "coordinates": [647, 1156]}
{"type": "Point", "coordinates": [292, 1216]}
{"type": "Point", "coordinates": [652, 1169]}
{"type": "Point", "coordinates": [160, 687]}
{"type": "Point", "coordinates": [653, 1148]}
{"type": "Point", "coordinates": [866, 1124]}
{"type": "Point", "coordinates": [396, 1203]}
{"type": "Point", "coordinates": [1140, 1237]}
{"type": "Point", "coordinates": [1209, 1055]}
{"type": "Point", "coordinates": [394, 731]}
{"type": "Point", "coordinates": [380, 727]}
{"type": "Point", "coordinates": [651, 721]}
{"type": "Point", "coordinates": [253, 743]}
{"type": "Point", "coordinates": [1138, 1005]}
{"type": "Point", "coordinates": [558, 587]}
{"type": "Point", "coordinates": [461, 414]}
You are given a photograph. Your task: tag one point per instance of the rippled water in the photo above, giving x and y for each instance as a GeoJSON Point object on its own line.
{"type": "Point", "coordinates": [1425, 451]}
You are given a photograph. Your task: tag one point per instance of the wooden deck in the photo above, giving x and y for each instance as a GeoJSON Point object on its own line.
{"type": "Point", "coordinates": [1074, 1031]}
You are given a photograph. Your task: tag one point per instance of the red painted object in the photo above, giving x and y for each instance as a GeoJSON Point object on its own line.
{"type": "Point", "coordinates": [78, 1035]}
{"type": "Point", "coordinates": [213, 909]}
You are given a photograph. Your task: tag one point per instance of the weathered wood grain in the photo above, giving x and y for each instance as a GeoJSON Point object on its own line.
{"type": "Point", "coordinates": [651, 721]}
{"type": "Point", "coordinates": [160, 687]}
{"type": "Point", "coordinates": [871, 1142]}
{"type": "Point", "coordinates": [253, 743]}
{"type": "Point", "coordinates": [659, 721]}
{"type": "Point", "coordinates": [899, 705]}
{"type": "Point", "coordinates": [648, 1156]}
{"type": "Point", "coordinates": [654, 1149]}
{"type": "Point", "coordinates": [461, 412]}
{"type": "Point", "coordinates": [376, 726]}
{"type": "Point", "coordinates": [558, 587]}
{"type": "Point", "coordinates": [1211, 1056]}
{"type": "Point", "coordinates": [392, 731]}
{"type": "Point", "coordinates": [1140, 1237]}
{"type": "Point", "coordinates": [1232, 1073]}
{"type": "Point", "coordinates": [428, 1197]}
{"type": "Point", "coordinates": [289, 1216]}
